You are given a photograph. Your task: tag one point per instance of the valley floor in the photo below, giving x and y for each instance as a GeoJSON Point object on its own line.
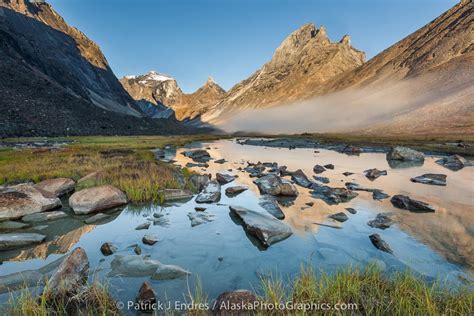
{"type": "Point", "coordinates": [130, 164]}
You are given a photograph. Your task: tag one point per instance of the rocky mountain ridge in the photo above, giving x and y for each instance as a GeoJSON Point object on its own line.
{"type": "Point", "coordinates": [163, 91]}
{"type": "Point", "coordinates": [56, 81]}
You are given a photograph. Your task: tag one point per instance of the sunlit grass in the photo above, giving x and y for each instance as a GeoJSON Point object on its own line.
{"type": "Point", "coordinates": [94, 299]}
{"type": "Point", "coordinates": [125, 162]}
{"type": "Point", "coordinates": [372, 292]}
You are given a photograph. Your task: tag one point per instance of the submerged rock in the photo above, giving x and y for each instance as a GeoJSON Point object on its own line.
{"type": "Point", "coordinates": [220, 161]}
{"type": "Point", "coordinates": [233, 191]}
{"type": "Point", "coordinates": [318, 169]}
{"type": "Point", "coordinates": [224, 178]}
{"type": "Point", "coordinates": [12, 225]}
{"type": "Point", "coordinates": [175, 194]}
{"type": "Point", "coordinates": [97, 199]}
{"type": "Point", "coordinates": [301, 179]}
{"type": "Point", "coordinates": [150, 239]}
{"type": "Point", "coordinates": [200, 209]}
{"type": "Point", "coordinates": [241, 298]}
{"type": "Point", "coordinates": [454, 162]}
{"type": "Point", "coordinates": [108, 249]}
{"type": "Point", "coordinates": [57, 187]}
{"type": "Point", "coordinates": [169, 272]}
{"type": "Point", "coordinates": [143, 226]}
{"type": "Point", "coordinates": [24, 199]}
{"type": "Point", "coordinates": [351, 210]}
{"type": "Point", "coordinates": [18, 240]}
{"type": "Point", "coordinates": [340, 217]}
{"type": "Point", "coordinates": [407, 203]}
{"type": "Point", "coordinates": [269, 203]}
{"type": "Point", "coordinates": [211, 193]}
{"type": "Point", "coordinates": [373, 174]}
{"type": "Point", "coordinates": [265, 228]}
{"type": "Point", "coordinates": [380, 244]}
{"type": "Point", "coordinates": [198, 218]}
{"type": "Point", "coordinates": [138, 266]}
{"type": "Point", "coordinates": [96, 218]}
{"type": "Point", "coordinates": [382, 221]}
{"type": "Point", "coordinates": [430, 178]}
{"type": "Point", "coordinates": [44, 216]}
{"type": "Point", "coordinates": [404, 154]}
{"type": "Point", "coordinates": [71, 275]}
{"type": "Point", "coordinates": [274, 185]}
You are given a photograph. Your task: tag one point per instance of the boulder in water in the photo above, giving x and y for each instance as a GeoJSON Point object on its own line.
{"type": "Point", "coordinates": [211, 193]}
{"type": "Point", "coordinates": [404, 154]}
{"type": "Point", "coordinates": [57, 187]}
{"type": "Point", "coordinates": [265, 228]}
{"type": "Point", "coordinates": [430, 178]}
{"type": "Point", "coordinates": [407, 203]}
{"type": "Point", "coordinates": [274, 185]}
{"type": "Point", "coordinates": [24, 199]}
{"type": "Point", "coordinates": [96, 199]}
{"type": "Point", "coordinates": [454, 162]}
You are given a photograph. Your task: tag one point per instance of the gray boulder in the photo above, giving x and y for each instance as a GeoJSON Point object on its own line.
{"type": "Point", "coordinates": [340, 217]}
{"type": "Point", "coordinates": [454, 162]}
{"type": "Point", "coordinates": [431, 178]}
{"type": "Point", "coordinates": [44, 216]}
{"type": "Point", "coordinates": [97, 199]}
{"type": "Point", "coordinates": [382, 221]}
{"type": "Point", "coordinates": [274, 185]}
{"type": "Point", "coordinates": [301, 179]}
{"type": "Point", "coordinates": [373, 174]}
{"type": "Point", "coordinates": [150, 239]}
{"type": "Point", "coordinates": [224, 178]}
{"type": "Point", "coordinates": [404, 154]}
{"type": "Point", "coordinates": [71, 275]}
{"type": "Point", "coordinates": [210, 194]}
{"type": "Point", "coordinates": [18, 240]}
{"type": "Point", "coordinates": [233, 191]}
{"type": "Point", "coordinates": [265, 228]}
{"type": "Point", "coordinates": [269, 204]}
{"type": "Point", "coordinates": [23, 199]}
{"type": "Point", "coordinates": [57, 187]}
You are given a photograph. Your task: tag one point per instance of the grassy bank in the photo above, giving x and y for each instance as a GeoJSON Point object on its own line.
{"type": "Point", "coordinates": [350, 291]}
{"type": "Point", "coordinates": [125, 162]}
{"type": "Point", "coordinates": [369, 292]}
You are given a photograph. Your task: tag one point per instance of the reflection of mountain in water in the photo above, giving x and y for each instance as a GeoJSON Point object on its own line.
{"type": "Point", "coordinates": [62, 235]}
{"type": "Point", "coordinates": [448, 233]}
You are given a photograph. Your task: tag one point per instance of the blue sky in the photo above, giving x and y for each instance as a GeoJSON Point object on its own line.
{"type": "Point", "coordinates": [230, 39]}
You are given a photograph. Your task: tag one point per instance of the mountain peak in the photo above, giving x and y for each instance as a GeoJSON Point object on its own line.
{"type": "Point", "coordinates": [346, 40]}
{"type": "Point", "coordinates": [210, 80]}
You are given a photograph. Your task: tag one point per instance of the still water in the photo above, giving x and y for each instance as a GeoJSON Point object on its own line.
{"type": "Point", "coordinates": [220, 254]}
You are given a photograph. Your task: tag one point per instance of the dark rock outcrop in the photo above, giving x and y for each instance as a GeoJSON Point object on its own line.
{"type": "Point", "coordinates": [407, 203]}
